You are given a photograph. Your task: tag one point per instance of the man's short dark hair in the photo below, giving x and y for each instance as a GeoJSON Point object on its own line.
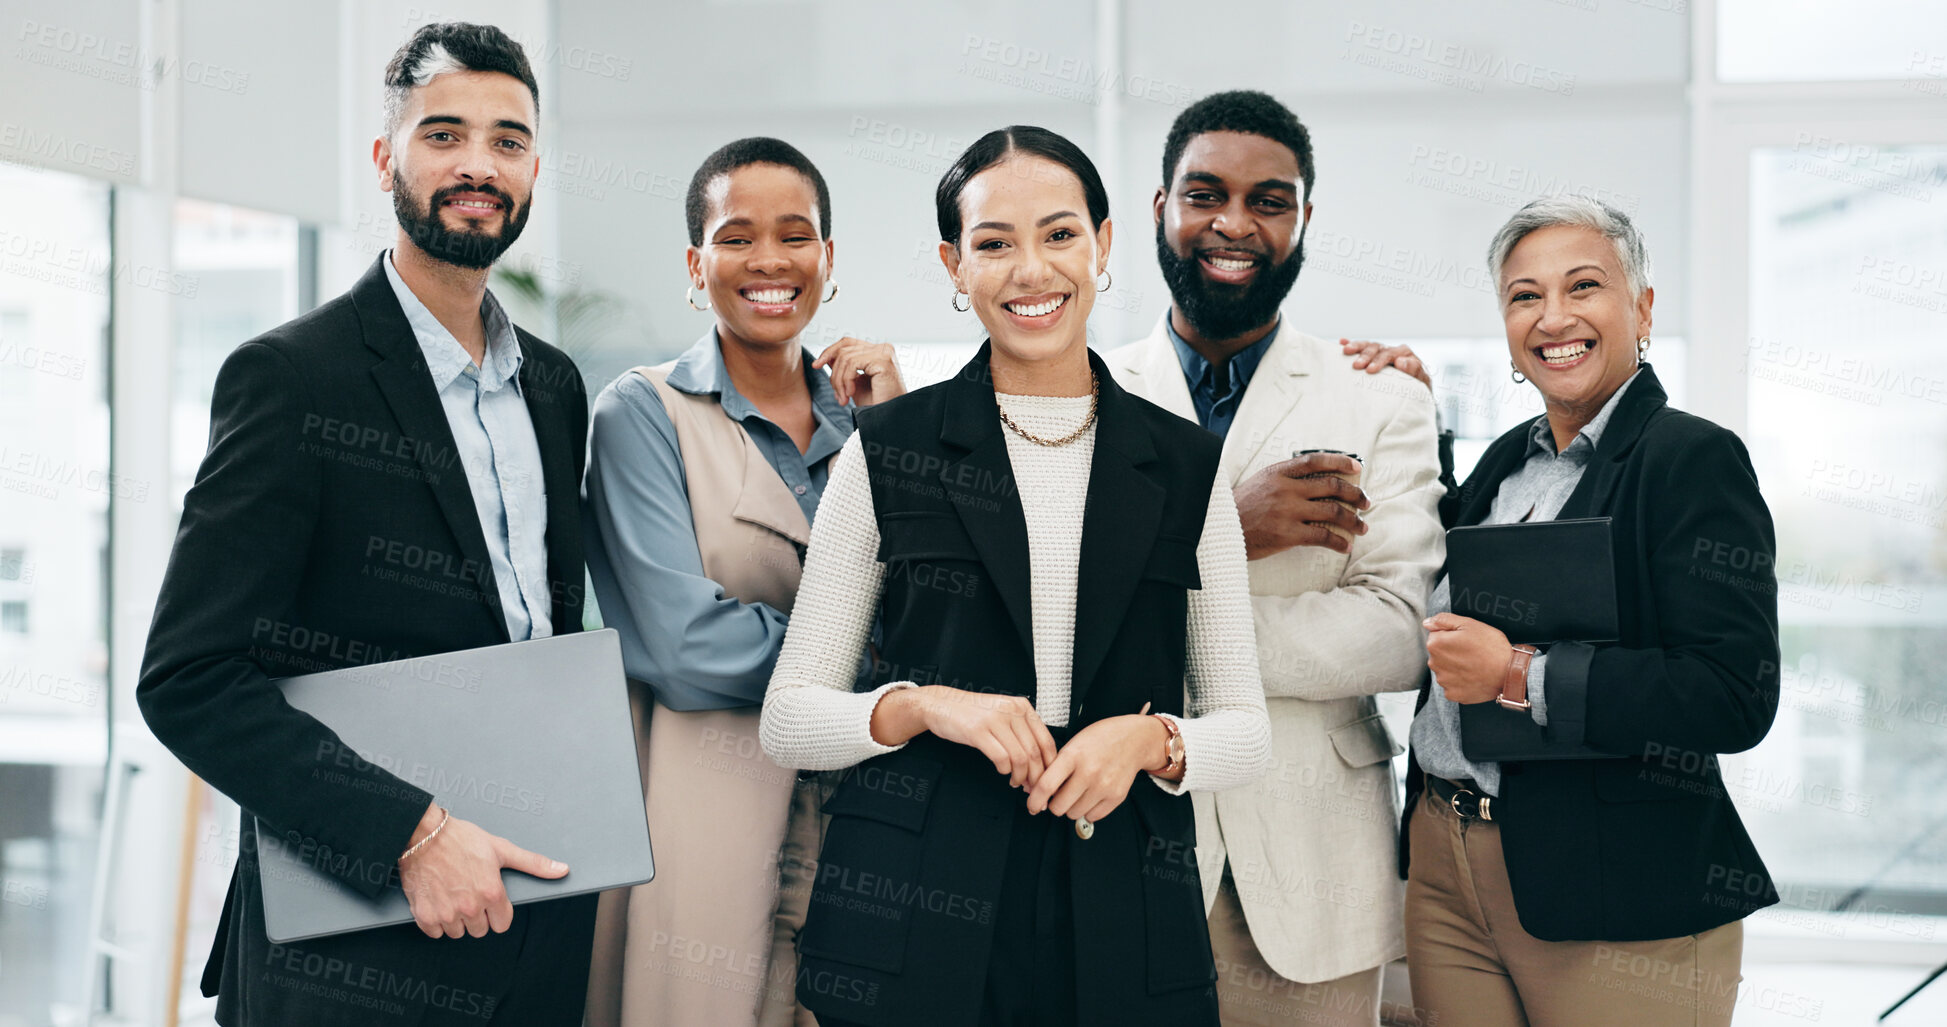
{"type": "Point", "coordinates": [743, 153]}
{"type": "Point", "coordinates": [1240, 110]}
{"type": "Point", "coordinates": [451, 46]}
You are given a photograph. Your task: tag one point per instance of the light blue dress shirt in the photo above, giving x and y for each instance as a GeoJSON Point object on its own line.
{"type": "Point", "coordinates": [495, 439]}
{"type": "Point", "coordinates": [1536, 491]}
{"type": "Point", "coordinates": [1216, 402]}
{"type": "Point", "coordinates": [696, 648]}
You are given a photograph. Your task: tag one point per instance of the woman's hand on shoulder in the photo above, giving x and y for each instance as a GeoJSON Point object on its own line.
{"type": "Point", "coordinates": [1005, 728]}
{"type": "Point", "coordinates": [1469, 657]}
{"type": "Point", "coordinates": [1373, 357]}
{"type": "Point", "coordinates": [862, 372]}
{"type": "Point", "coordinates": [1091, 775]}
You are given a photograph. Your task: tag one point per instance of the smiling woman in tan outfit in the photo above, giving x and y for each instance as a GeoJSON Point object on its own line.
{"type": "Point", "coordinates": [704, 476]}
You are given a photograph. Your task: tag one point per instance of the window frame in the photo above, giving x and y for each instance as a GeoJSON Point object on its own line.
{"type": "Point", "coordinates": [1729, 122]}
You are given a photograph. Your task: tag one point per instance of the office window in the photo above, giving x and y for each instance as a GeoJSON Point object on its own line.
{"type": "Point", "coordinates": [1821, 41]}
{"type": "Point", "coordinates": [248, 273]}
{"type": "Point", "coordinates": [16, 353]}
{"type": "Point", "coordinates": [1848, 428]}
{"type": "Point", "coordinates": [245, 267]}
{"type": "Point", "coordinates": [55, 489]}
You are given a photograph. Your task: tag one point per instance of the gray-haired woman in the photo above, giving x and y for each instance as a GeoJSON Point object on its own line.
{"type": "Point", "coordinates": [1601, 889]}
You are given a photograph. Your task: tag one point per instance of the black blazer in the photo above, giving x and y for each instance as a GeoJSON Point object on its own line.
{"type": "Point", "coordinates": [901, 917]}
{"type": "Point", "coordinates": [331, 525]}
{"type": "Point", "coordinates": [1648, 846]}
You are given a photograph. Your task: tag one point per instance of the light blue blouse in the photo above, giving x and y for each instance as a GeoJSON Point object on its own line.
{"type": "Point", "coordinates": [696, 648]}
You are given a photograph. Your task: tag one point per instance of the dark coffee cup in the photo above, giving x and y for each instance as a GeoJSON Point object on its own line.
{"type": "Point", "coordinates": [1351, 479]}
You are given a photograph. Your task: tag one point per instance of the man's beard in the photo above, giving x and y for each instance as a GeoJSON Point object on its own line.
{"type": "Point", "coordinates": [1218, 310]}
{"type": "Point", "coordinates": [471, 247]}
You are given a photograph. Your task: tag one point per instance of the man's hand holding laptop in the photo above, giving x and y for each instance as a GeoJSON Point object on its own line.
{"type": "Point", "coordinates": [453, 880]}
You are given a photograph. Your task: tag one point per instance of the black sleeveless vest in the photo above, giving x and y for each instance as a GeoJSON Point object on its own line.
{"type": "Point", "coordinates": [900, 923]}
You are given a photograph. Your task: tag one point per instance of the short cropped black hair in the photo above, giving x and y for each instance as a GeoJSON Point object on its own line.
{"type": "Point", "coordinates": [1240, 110]}
{"type": "Point", "coordinates": [995, 147]}
{"type": "Point", "coordinates": [452, 46]}
{"type": "Point", "coordinates": [743, 153]}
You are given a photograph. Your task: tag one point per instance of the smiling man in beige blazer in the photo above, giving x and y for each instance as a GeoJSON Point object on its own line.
{"type": "Point", "coordinates": [1298, 868]}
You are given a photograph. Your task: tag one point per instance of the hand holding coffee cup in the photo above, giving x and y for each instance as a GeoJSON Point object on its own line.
{"type": "Point", "coordinates": [1313, 499]}
{"type": "Point", "coordinates": [1350, 476]}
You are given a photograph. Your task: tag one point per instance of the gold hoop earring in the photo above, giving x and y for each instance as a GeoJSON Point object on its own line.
{"type": "Point", "coordinates": [689, 297]}
{"type": "Point", "coordinates": [1642, 349]}
{"type": "Point", "coordinates": [1515, 373]}
{"type": "Point", "coordinates": [956, 302]}
{"type": "Point", "coordinates": [1105, 287]}
{"type": "Point", "coordinates": [832, 295]}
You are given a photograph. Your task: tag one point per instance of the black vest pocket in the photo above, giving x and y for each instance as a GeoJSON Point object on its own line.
{"type": "Point", "coordinates": [1174, 560]}
{"type": "Point", "coordinates": [863, 900]}
{"type": "Point", "coordinates": [1178, 933]}
{"type": "Point", "coordinates": [924, 535]}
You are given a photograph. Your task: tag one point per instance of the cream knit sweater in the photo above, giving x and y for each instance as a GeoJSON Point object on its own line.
{"type": "Point", "coordinates": [813, 719]}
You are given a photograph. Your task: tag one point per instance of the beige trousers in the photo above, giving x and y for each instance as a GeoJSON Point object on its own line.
{"type": "Point", "coordinates": [1251, 994]}
{"type": "Point", "coordinates": [1471, 962]}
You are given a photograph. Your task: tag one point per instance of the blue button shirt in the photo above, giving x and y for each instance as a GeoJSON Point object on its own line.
{"type": "Point", "coordinates": [495, 438]}
{"type": "Point", "coordinates": [1216, 401]}
{"type": "Point", "coordinates": [697, 648]}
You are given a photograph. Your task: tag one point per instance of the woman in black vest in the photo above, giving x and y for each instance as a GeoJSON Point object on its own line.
{"type": "Point", "coordinates": [1054, 560]}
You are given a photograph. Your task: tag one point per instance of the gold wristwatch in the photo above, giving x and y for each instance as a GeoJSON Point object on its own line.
{"type": "Point", "coordinates": [1173, 748]}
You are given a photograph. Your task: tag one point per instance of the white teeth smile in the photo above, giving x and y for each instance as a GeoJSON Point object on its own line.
{"type": "Point", "coordinates": [473, 204]}
{"type": "Point", "coordinates": [1227, 264]}
{"type": "Point", "coordinates": [1565, 352]}
{"type": "Point", "coordinates": [1039, 309]}
{"type": "Point", "coordinates": [770, 295]}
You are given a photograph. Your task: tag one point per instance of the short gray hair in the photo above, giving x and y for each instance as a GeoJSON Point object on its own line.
{"type": "Point", "coordinates": [1584, 212]}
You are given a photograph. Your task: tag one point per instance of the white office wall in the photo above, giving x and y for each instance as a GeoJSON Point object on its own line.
{"type": "Point", "coordinates": [1431, 121]}
{"type": "Point", "coordinates": [260, 106]}
{"type": "Point", "coordinates": [73, 86]}
{"type": "Point", "coordinates": [881, 96]}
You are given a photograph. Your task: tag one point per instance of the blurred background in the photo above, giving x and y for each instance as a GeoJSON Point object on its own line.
{"type": "Point", "coordinates": [179, 175]}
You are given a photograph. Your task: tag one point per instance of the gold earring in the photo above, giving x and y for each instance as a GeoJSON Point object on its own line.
{"type": "Point", "coordinates": [1105, 287]}
{"type": "Point", "coordinates": [1642, 349]}
{"type": "Point", "coordinates": [1515, 373]}
{"type": "Point", "coordinates": [689, 297]}
{"type": "Point", "coordinates": [956, 302]}
{"type": "Point", "coordinates": [833, 294]}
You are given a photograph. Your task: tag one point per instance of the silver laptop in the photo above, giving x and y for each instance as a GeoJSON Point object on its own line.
{"type": "Point", "coordinates": [530, 740]}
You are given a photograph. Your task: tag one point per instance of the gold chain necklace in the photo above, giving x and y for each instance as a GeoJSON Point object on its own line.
{"type": "Point", "coordinates": [1094, 397]}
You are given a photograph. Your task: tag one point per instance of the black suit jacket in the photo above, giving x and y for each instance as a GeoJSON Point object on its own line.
{"type": "Point", "coordinates": [331, 525]}
{"type": "Point", "coordinates": [1648, 846]}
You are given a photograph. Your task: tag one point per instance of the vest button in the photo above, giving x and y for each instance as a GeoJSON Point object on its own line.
{"type": "Point", "coordinates": [799, 489]}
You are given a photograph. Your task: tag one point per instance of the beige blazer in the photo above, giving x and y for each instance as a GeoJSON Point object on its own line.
{"type": "Point", "coordinates": [1311, 844]}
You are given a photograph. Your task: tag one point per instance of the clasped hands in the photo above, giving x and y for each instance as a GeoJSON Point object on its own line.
{"type": "Point", "coordinates": [1083, 780]}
